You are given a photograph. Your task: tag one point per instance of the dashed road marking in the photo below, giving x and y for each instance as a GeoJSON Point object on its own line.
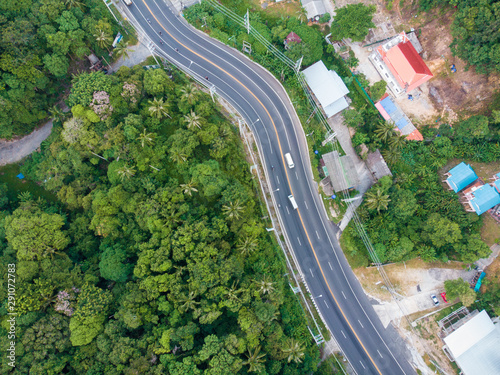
{"type": "Point", "coordinates": [306, 204]}
{"type": "Point", "coordinates": [287, 210]}
{"type": "Point", "coordinates": [330, 266]}
{"type": "Point", "coordinates": [317, 235]}
{"type": "Point", "coordinates": [344, 295]}
{"type": "Point", "coordinates": [326, 304]}
{"type": "Point", "coordinates": [343, 334]}
{"type": "Point", "coordinates": [379, 354]}
{"type": "Point", "coordinates": [299, 241]}
{"type": "Point", "coordinates": [360, 324]}
{"type": "Point", "coordinates": [362, 365]}
{"type": "Point", "coordinates": [310, 270]}
{"type": "Point", "coordinates": [278, 179]}
{"type": "Point", "coordinates": [296, 175]}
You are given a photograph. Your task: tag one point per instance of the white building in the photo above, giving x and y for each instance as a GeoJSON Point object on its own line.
{"type": "Point", "coordinates": [327, 87]}
{"type": "Point", "coordinates": [475, 346]}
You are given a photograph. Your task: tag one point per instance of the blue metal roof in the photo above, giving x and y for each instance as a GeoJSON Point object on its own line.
{"type": "Point", "coordinates": [497, 185]}
{"type": "Point", "coordinates": [461, 176]}
{"type": "Point", "coordinates": [401, 123]}
{"type": "Point", "coordinates": [388, 105]}
{"type": "Point", "coordinates": [485, 197]}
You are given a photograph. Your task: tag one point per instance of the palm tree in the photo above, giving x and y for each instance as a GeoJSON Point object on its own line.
{"type": "Point", "coordinates": [301, 14]}
{"type": "Point", "coordinates": [397, 141]}
{"type": "Point", "coordinates": [57, 113]}
{"type": "Point", "coordinates": [146, 138]}
{"type": "Point", "coordinates": [189, 188]}
{"type": "Point", "coordinates": [254, 360]}
{"type": "Point", "coordinates": [265, 285]}
{"type": "Point", "coordinates": [384, 131]}
{"type": "Point", "coordinates": [74, 4]}
{"type": "Point", "coordinates": [178, 157]}
{"type": "Point", "coordinates": [232, 293]}
{"type": "Point", "coordinates": [189, 93]}
{"type": "Point", "coordinates": [188, 302]}
{"type": "Point", "coordinates": [294, 351]}
{"type": "Point", "coordinates": [192, 120]}
{"type": "Point", "coordinates": [247, 246]}
{"type": "Point", "coordinates": [391, 155]}
{"type": "Point", "coordinates": [121, 50]}
{"type": "Point", "coordinates": [232, 210]}
{"type": "Point", "coordinates": [103, 39]}
{"type": "Point", "coordinates": [158, 108]}
{"type": "Point", "coordinates": [377, 200]}
{"type": "Point", "coordinates": [125, 172]}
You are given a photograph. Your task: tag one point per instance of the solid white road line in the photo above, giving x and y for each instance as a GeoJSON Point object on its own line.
{"type": "Point", "coordinates": [379, 354]}
{"type": "Point", "coordinates": [310, 270]}
{"type": "Point", "coordinates": [343, 294]}
{"type": "Point", "coordinates": [330, 266]}
{"type": "Point", "coordinates": [326, 304]}
{"type": "Point", "coordinates": [360, 324]}
{"type": "Point", "coordinates": [299, 241]}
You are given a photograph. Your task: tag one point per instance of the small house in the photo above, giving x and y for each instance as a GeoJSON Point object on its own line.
{"type": "Point", "coordinates": [291, 38]}
{"type": "Point", "coordinates": [485, 197]}
{"type": "Point", "coordinates": [460, 177]}
{"type": "Point", "coordinates": [390, 111]}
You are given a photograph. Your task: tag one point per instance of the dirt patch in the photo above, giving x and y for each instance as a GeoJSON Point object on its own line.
{"type": "Point", "coordinates": [492, 274]}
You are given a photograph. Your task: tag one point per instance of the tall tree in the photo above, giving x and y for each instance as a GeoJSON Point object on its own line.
{"type": "Point", "coordinates": [158, 108]}
{"type": "Point", "coordinates": [353, 21]}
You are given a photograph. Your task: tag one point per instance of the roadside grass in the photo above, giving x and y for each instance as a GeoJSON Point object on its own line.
{"type": "Point", "coordinates": [490, 232]}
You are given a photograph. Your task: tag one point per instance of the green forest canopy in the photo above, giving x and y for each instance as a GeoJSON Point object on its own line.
{"type": "Point", "coordinates": [139, 270]}
{"type": "Point", "coordinates": [39, 39]}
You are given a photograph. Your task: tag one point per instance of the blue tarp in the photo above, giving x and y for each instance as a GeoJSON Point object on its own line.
{"type": "Point", "coordinates": [485, 197]}
{"type": "Point", "coordinates": [388, 105]}
{"type": "Point", "coordinates": [461, 176]}
{"type": "Point", "coordinates": [479, 281]}
{"type": "Point", "coordinates": [20, 176]}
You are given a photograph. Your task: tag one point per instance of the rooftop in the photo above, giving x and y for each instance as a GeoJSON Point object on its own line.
{"type": "Point", "coordinates": [292, 37]}
{"type": "Point", "coordinates": [377, 165]}
{"type": "Point", "coordinates": [390, 111]}
{"type": "Point", "coordinates": [485, 197]}
{"type": "Point", "coordinates": [328, 88]}
{"type": "Point", "coordinates": [461, 176]}
{"type": "Point", "coordinates": [313, 8]}
{"type": "Point", "coordinates": [475, 346]}
{"type": "Point", "coordinates": [404, 62]}
{"type": "Point", "coordinates": [341, 171]}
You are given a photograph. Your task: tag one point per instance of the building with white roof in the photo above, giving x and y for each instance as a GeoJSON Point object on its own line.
{"type": "Point", "coordinates": [327, 87]}
{"type": "Point", "coordinates": [475, 346]}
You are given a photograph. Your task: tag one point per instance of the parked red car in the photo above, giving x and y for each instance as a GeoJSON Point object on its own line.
{"type": "Point", "coordinates": [443, 296]}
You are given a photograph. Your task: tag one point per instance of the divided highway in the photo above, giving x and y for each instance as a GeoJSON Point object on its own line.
{"type": "Point", "coordinates": [262, 101]}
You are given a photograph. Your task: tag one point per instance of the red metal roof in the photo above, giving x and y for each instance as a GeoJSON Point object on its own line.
{"type": "Point", "coordinates": [292, 37]}
{"type": "Point", "coordinates": [406, 65]}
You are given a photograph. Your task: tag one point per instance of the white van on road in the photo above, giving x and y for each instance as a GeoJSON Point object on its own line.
{"type": "Point", "coordinates": [289, 160]}
{"type": "Point", "coordinates": [292, 200]}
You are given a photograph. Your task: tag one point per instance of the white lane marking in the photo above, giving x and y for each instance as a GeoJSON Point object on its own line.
{"type": "Point", "coordinates": [330, 266]}
{"type": "Point", "coordinates": [326, 304]}
{"type": "Point", "coordinates": [362, 365]}
{"type": "Point", "coordinates": [296, 175]}
{"type": "Point", "coordinates": [317, 235]}
{"type": "Point", "coordinates": [343, 294]}
{"type": "Point", "coordinates": [278, 179]}
{"type": "Point", "coordinates": [360, 324]}
{"type": "Point", "coordinates": [310, 270]}
{"type": "Point", "coordinates": [287, 210]}
{"type": "Point", "coordinates": [343, 334]}
{"type": "Point", "coordinates": [379, 354]}
{"type": "Point", "coordinates": [287, 109]}
{"type": "Point", "coordinates": [306, 204]}
{"type": "Point", "coordinates": [299, 241]}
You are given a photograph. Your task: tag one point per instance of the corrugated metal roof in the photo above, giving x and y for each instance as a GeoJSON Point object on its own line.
{"type": "Point", "coordinates": [461, 176]}
{"type": "Point", "coordinates": [401, 123]}
{"type": "Point", "coordinates": [485, 198]}
{"type": "Point", "coordinates": [341, 169]}
{"type": "Point", "coordinates": [497, 185]}
{"type": "Point", "coordinates": [313, 8]}
{"type": "Point", "coordinates": [377, 165]}
{"type": "Point", "coordinates": [475, 346]}
{"type": "Point", "coordinates": [388, 105]}
{"type": "Point", "coordinates": [328, 88]}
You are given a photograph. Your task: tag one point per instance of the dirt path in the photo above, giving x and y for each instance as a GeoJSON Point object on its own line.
{"type": "Point", "coordinates": [14, 151]}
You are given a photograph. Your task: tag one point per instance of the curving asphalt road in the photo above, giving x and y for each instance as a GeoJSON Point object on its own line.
{"type": "Point", "coordinates": [264, 104]}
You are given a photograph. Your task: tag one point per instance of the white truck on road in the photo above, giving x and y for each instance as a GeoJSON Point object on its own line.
{"type": "Point", "coordinates": [292, 200]}
{"type": "Point", "coordinates": [128, 2]}
{"type": "Point", "coordinates": [289, 160]}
